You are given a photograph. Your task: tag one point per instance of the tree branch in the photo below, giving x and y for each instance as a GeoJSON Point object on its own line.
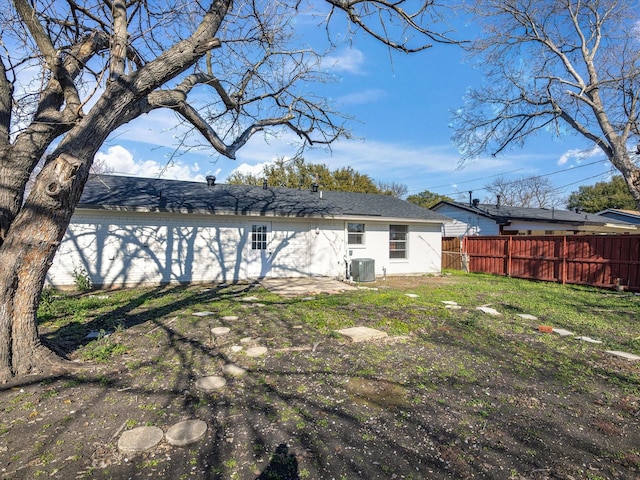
{"type": "Point", "coordinates": [392, 11]}
{"type": "Point", "coordinates": [6, 95]}
{"type": "Point", "coordinates": [118, 39]}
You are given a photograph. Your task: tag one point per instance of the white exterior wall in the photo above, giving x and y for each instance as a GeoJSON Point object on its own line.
{"type": "Point", "coordinates": [129, 248]}
{"type": "Point", "coordinates": [466, 223]}
{"type": "Point", "coordinates": [424, 249]}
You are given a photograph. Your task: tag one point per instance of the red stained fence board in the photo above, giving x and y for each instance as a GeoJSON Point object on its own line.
{"type": "Point", "coordinates": [597, 260]}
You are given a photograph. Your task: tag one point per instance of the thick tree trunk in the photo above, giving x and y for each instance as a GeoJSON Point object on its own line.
{"type": "Point", "coordinates": [621, 159]}
{"type": "Point", "coordinates": [632, 177]}
{"type": "Point", "coordinates": [30, 233]}
{"type": "Point", "coordinates": [25, 258]}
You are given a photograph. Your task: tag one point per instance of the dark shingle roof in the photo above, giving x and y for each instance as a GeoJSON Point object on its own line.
{"type": "Point", "coordinates": [503, 214]}
{"type": "Point", "coordinates": [112, 192]}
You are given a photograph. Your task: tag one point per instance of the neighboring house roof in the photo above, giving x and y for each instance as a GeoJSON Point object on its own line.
{"type": "Point", "coordinates": [113, 192]}
{"type": "Point", "coordinates": [632, 216]}
{"type": "Point", "coordinates": [504, 215]}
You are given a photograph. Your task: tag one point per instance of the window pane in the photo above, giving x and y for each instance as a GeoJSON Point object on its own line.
{"type": "Point", "coordinates": [258, 237]}
{"type": "Point", "coordinates": [355, 233]}
{"type": "Point", "coordinates": [398, 241]}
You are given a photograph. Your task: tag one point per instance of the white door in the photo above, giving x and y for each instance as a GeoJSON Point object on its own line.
{"type": "Point", "coordinates": [258, 249]}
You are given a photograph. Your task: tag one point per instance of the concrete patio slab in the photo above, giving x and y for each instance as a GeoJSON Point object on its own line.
{"type": "Point", "coordinates": [294, 287]}
{"type": "Point", "coordinates": [362, 334]}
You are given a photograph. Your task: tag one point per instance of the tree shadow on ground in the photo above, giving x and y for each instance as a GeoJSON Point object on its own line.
{"type": "Point", "coordinates": [283, 466]}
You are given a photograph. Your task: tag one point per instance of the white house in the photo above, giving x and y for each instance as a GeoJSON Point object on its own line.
{"type": "Point", "coordinates": [485, 219]}
{"type": "Point", "coordinates": [134, 231]}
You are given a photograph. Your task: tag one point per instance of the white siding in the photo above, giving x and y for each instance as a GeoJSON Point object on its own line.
{"type": "Point", "coordinates": [424, 249]}
{"type": "Point", "coordinates": [466, 223]}
{"type": "Point", "coordinates": [128, 248]}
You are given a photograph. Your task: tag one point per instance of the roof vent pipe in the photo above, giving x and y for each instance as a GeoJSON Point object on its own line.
{"type": "Point", "coordinates": [265, 184]}
{"type": "Point", "coordinates": [497, 201]}
{"type": "Point", "coordinates": [470, 194]}
{"type": "Point", "coordinates": [211, 180]}
{"type": "Point", "coordinates": [314, 187]}
{"type": "Point", "coordinates": [475, 202]}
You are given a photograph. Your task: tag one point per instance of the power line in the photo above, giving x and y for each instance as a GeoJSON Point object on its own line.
{"type": "Point", "coordinates": [475, 179]}
{"type": "Point", "coordinates": [534, 176]}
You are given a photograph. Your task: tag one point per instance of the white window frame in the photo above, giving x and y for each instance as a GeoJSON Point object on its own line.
{"type": "Point", "coordinates": [394, 241]}
{"type": "Point", "coordinates": [356, 234]}
{"type": "Point", "coordinates": [259, 236]}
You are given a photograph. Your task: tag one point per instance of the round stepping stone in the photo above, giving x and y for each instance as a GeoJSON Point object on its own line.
{"type": "Point", "coordinates": [236, 348]}
{"type": "Point", "coordinates": [219, 331]}
{"type": "Point", "coordinates": [229, 318]}
{"type": "Point", "coordinates": [234, 370]}
{"type": "Point", "coordinates": [140, 439]}
{"type": "Point", "coordinates": [246, 340]}
{"type": "Point", "coordinates": [210, 383]}
{"type": "Point", "coordinates": [186, 433]}
{"type": "Point", "coordinates": [256, 351]}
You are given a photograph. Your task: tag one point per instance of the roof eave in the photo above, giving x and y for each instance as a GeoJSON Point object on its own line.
{"type": "Point", "coordinates": [350, 217]}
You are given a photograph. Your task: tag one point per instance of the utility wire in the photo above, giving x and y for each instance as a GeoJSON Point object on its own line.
{"type": "Point", "coordinates": [535, 176]}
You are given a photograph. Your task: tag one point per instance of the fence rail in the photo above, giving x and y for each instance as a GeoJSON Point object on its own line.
{"type": "Point", "coordinates": [599, 260]}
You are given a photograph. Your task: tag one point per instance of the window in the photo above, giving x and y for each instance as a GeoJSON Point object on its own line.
{"type": "Point", "coordinates": [398, 241]}
{"type": "Point", "coordinates": [258, 237]}
{"type": "Point", "coordinates": [355, 233]}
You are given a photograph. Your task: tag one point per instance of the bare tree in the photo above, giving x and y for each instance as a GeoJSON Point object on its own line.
{"type": "Point", "coordinates": [528, 192]}
{"type": "Point", "coordinates": [73, 72]}
{"type": "Point", "coordinates": [561, 66]}
{"type": "Point", "coordinates": [395, 189]}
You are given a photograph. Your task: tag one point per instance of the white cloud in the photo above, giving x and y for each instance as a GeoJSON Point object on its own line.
{"type": "Point", "coordinates": [579, 154]}
{"type": "Point", "coordinates": [120, 161]}
{"type": "Point", "coordinates": [255, 170]}
{"type": "Point", "coordinates": [419, 167]}
{"type": "Point", "coordinates": [348, 61]}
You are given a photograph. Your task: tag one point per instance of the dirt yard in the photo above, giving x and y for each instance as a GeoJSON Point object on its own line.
{"type": "Point", "coordinates": [457, 397]}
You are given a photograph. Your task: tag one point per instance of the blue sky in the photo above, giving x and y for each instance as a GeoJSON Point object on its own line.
{"type": "Point", "coordinates": [401, 106]}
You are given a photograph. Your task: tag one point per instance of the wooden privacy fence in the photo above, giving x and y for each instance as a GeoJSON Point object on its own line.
{"type": "Point", "coordinates": [451, 253]}
{"type": "Point", "coordinates": [599, 260]}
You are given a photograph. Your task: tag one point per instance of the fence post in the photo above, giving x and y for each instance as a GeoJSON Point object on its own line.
{"type": "Point", "coordinates": [563, 264]}
{"type": "Point", "coordinates": [509, 246]}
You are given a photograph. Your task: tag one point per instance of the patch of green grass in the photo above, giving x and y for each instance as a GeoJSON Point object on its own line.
{"type": "Point", "coordinates": [102, 350]}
